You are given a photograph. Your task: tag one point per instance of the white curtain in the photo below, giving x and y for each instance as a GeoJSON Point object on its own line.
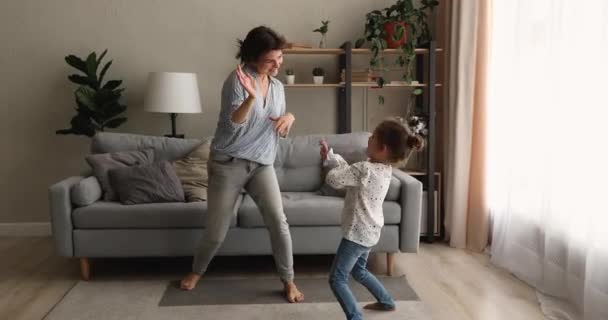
{"type": "Point", "coordinates": [548, 150]}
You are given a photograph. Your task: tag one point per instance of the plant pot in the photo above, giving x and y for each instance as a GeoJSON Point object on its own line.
{"type": "Point", "coordinates": [389, 31]}
{"type": "Point", "coordinates": [291, 78]}
{"type": "Point", "coordinates": [317, 79]}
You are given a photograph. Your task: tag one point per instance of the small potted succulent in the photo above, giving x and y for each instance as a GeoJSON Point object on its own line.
{"type": "Point", "coordinates": [290, 76]}
{"type": "Point", "coordinates": [318, 74]}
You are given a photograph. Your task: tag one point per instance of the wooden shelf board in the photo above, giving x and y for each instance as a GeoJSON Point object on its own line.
{"type": "Point", "coordinates": [312, 85]}
{"type": "Point", "coordinates": [330, 51]}
{"type": "Point", "coordinates": [392, 51]}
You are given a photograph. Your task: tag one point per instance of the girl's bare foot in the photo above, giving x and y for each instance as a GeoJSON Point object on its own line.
{"type": "Point", "coordinates": [378, 307]}
{"type": "Point", "coordinates": [292, 294]}
{"type": "Point", "coordinates": [190, 281]}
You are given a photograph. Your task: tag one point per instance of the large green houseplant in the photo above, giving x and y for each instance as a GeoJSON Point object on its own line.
{"type": "Point", "coordinates": [97, 104]}
{"type": "Point", "coordinates": [401, 26]}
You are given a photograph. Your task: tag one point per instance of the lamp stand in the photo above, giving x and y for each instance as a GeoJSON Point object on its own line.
{"type": "Point", "coordinates": [173, 131]}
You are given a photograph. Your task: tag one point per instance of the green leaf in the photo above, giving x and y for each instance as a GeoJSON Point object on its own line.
{"type": "Point", "coordinates": [82, 125]}
{"type": "Point", "coordinates": [92, 70]}
{"type": "Point", "coordinates": [76, 62]}
{"type": "Point", "coordinates": [65, 131]}
{"type": "Point", "coordinates": [103, 71]}
{"type": "Point", "coordinates": [359, 43]}
{"type": "Point", "coordinates": [86, 97]}
{"type": "Point", "coordinates": [380, 99]}
{"type": "Point", "coordinates": [115, 123]}
{"type": "Point", "coordinates": [417, 92]}
{"type": "Point", "coordinates": [112, 84]}
{"type": "Point", "coordinates": [77, 79]}
{"type": "Point", "coordinates": [103, 54]}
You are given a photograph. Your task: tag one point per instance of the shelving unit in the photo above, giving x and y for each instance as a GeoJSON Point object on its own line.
{"type": "Point", "coordinates": [425, 69]}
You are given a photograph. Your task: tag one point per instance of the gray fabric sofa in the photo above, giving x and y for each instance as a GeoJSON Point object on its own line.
{"type": "Point", "coordinates": [110, 229]}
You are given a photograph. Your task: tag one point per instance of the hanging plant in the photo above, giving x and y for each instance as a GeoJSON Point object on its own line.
{"type": "Point", "coordinates": [401, 26]}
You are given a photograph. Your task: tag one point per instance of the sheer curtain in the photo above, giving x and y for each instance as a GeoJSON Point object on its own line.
{"type": "Point", "coordinates": [547, 163]}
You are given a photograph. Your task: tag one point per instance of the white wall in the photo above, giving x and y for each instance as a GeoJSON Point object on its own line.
{"type": "Point", "coordinates": [152, 35]}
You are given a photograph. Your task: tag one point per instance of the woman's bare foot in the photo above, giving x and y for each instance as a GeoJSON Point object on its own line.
{"type": "Point", "coordinates": [190, 281]}
{"type": "Point", "coordinates": [292, 294]}
{"type": "Point", "coordinates": [378, 307]}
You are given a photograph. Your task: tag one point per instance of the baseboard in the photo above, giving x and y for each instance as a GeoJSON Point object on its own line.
{"type": "Point", "coordinates": [25, 229]}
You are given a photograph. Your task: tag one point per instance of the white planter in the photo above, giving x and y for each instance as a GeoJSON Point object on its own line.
{"type": "Point", "coordinates": [291, 79]}
{"type": "Point", "coordinates": [317, 79]}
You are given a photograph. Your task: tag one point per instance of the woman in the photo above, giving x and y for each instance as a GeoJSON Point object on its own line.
{"type": "Point", "coordinates": [243, 150]}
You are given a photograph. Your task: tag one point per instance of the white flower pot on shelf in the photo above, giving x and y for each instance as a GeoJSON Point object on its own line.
{"type": "Point", "coordinates": [317, 79]}
{"type": "Point", "coordinates": [291, 79]}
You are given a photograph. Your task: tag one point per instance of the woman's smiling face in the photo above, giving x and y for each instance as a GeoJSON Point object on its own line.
{"type": "Point", "coordinates": [270, 62]}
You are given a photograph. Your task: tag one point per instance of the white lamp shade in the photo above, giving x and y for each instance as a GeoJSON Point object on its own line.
{"type": "Point", "coordinates": [172, 92]}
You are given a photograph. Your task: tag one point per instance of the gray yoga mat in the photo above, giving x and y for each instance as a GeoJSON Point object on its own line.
{"type": "Point", "coordinates": [268, 291]}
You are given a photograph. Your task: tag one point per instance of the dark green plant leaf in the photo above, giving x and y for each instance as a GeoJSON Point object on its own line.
{"type": "Point", "coordinates": [92, 69]}
{"type": "Point", "coordinates": [103, 71]}
{"type": "Point", "coordinates": [81, 80]}
{"type": "Point", "coordinates": [65, 131]}
{"type": "Point", "coordinates": [86, 97]}
{"type": "Point", "coordinates": [112, 84]}
{"type": "Point", "coordinates": [103, 54]}
{"type": "Point", "coordinates": [380, 99]}
{"type": "Point", "coordinates": [359, 43]}
{"type": "Point", "coordinates": [76, 62]}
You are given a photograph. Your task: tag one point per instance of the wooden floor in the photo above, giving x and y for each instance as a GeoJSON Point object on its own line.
{"type": "Point", "coordinates": [455, 284]}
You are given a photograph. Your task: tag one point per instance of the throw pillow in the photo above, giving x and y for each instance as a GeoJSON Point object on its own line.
{"type": "Point", "coordinates": [104, 162]}
{"type": "Point", "coordinates": [156, 182]}
{"type": "Point", "coordinates": [350, 157]}
{"type": "Point", "coordinates": [86, 191]}
{"type": "Point", "coordinates": [192, 172]}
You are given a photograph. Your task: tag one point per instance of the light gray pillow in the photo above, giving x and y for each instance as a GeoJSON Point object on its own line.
{"type": "Point", "coordinates": [104, 162]}
{"type": "Point", "coordinates": [151, 183]}
{"type": "Point", "coordinates": [350, 157]}
{"type": "Point", "coordinates": [86, 191]}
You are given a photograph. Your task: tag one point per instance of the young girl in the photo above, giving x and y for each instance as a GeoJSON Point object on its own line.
{"type": "Point", "coordinates": [366, 183]}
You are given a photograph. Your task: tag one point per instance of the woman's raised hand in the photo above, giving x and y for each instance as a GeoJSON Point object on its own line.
{"type": "Point", "coordinates": [246, 81]}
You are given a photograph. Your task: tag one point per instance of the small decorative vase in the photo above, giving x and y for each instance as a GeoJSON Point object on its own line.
{"type": "Point", "coordinates": [323, 41]}
{"type": "Point", "coordinates": [317, 79]}
{"type": "Point", "coordinates": [291, 78]}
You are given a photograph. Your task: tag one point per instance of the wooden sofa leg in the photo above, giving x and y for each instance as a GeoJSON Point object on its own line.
{"type": "Point", "coordinates": [390, 261]}
{"type": "Point", "coordinates": [85, 269]}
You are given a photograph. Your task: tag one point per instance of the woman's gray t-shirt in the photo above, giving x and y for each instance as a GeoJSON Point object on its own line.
{"type": "Point", "coordinates": [255, 139]}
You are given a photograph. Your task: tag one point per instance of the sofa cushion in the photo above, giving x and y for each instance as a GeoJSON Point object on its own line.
{"type": "Point", "coordinates": [192, 172]}
{"type": "Point", "coordinates": [86, 191]}
{"type": "Point", "coordinates": [298, 163]}
{"type": "Point", "coordinates": [151, 183]}
{"type": "Point", "coordinates": [103, 163]}
{"type": "Point", "coordinates": [165, 148]}
{"type": "Point", "coordinates": [113, 215]}
{"type": "Point", "coordinates": [309, 209]}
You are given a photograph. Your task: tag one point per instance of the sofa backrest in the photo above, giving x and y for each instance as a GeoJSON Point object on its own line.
{"type": "Point", "coordinates": [164, 148]}
{"type": "Point", "coordinates": [298, 163]}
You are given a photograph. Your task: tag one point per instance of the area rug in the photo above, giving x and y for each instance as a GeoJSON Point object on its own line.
{"type": "Point", "coordinates": [245, 298]}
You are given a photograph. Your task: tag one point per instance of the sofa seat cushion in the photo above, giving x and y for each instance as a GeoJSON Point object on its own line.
{"type": "Point", "coordinates": [309, 209]}
{"type": "Point", "coordinates": [114, 215]}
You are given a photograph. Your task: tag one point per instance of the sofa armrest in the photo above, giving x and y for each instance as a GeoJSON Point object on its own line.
{"type": "Point", "coordinates": [61, 215]}
{"type": "Point", "coordinates": [411, 211]}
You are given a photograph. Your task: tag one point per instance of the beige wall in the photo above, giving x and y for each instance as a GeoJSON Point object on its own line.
{"type": "Point", "coordinates": [152, 35]}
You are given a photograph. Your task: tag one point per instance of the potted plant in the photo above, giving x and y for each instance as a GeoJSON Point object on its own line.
{"type": "Point", "coordinates": [318, 74]}
{"type": "Point", "coordinates": [401, 26]}
{"type": "Point", "coordinates": [97, 104]}
{"type": "Point", "coordinates": [290, 76]}
{"type": "Point", "coordinates": [323, 31]}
